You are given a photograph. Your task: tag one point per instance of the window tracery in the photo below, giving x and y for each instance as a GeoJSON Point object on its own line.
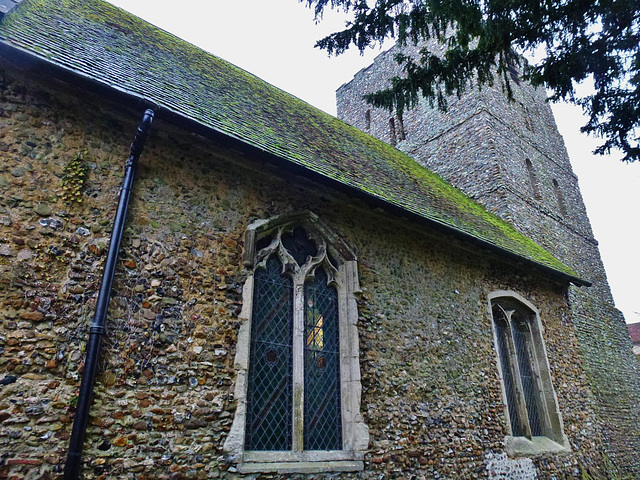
{"type": "Point", "coordinates": [298, 385]}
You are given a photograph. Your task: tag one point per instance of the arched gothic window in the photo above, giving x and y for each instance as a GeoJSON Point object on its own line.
{"type": "Point", "coordinates": [562, 206]}
{"type": "Point", "coordinates": [298, 386]}
{"type": "Point", "coordinates": [402, 133]}
{"type": "Point", "coordinates": [533, 180]}
{"type": "Point", "coordinates": [293, 270]}
{"type": "Point", "coordinates": [269, 410]}
{"type": "Point", "coordinates": [517, 358]}
{"type": "Point", "coordinates": [533, 416]}
{"type": "Point", "coordinates": [393, 139]}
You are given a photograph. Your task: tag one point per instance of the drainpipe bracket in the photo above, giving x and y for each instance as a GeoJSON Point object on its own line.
{"type": "Point", "coordinates": [99, 329]}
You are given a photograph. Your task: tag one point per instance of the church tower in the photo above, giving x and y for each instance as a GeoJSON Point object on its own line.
{"type": "Point", "coordinates": [510, 157]}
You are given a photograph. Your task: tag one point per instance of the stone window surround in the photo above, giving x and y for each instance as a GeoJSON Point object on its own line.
{"type": "Point", "coordinates": [555, 441]}
{"type": "Point", "coordinates": [354, 431]}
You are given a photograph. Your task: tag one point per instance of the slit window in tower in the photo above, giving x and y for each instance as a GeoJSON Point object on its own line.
{"type": "Point", "coordinates": [562, 206]}
{"type": "Point", "coordinates": [392, 131]}
{"type": "Point", "coordinates": [532, 413]}
{"type": "Point", "coordinates": [401, 132]}
{"type": "Point", "coordinates": [533, 179]}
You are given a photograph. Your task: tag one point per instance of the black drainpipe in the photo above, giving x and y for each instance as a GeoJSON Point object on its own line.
{"type": "Point", "coordinates": [97, 329]}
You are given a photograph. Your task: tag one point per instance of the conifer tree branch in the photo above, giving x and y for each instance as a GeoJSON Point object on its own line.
{"type": "Point", "coordinates": [580, 40]}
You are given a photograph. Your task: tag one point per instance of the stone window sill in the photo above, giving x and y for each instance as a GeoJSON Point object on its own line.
{"type": "Point", "coordinates": [525, 447]}
{"type": "Point", "coordinates": [301, 467]}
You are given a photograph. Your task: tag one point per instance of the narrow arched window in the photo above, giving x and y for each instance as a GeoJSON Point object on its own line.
{"type": "Point", "coordinates": [367, 120]}
{"type": "Point", "coordinates": [393, 139]}
{"type": "Point", "coordinates": [514, 73]}
{"type": "Point", "coordinates": [525, 356]}
{"type": "Point", "coordinates": [322, 418]}
{"type": "Point", "coordinates": [517, 360]}
{"type": "Point", "coordinates": [530, 401]}
{"type": "Point", "coordinates": [294, 273]}
{"type": "Point", "coordinates": [402, 133]}
{"type": "Point", "coordinates": [269, 407]}
{"type": "Point", "coordinates": [559, 197]}
{"type": "Point", "coordinates": [533, 180]}
{"type": "Point", "coordinates": [502, 334]}
{"type": "Point", "coordinates": [301, 397]}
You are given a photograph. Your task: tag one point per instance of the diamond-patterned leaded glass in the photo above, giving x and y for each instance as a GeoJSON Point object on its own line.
{"type": "Point", "coordinates": [269, 396]}
{"type": "Point", "coordinates": [516, 358]}
{"type": "Point", "coordinates": [322, 414]}
{"type": "Point", "coordinates": [520, 335]}
{"type": "Point", "coordinates": [502, 330]}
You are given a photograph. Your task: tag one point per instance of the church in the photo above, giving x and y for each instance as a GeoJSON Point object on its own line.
{"type": "Point", "coordinates": [294, 295]}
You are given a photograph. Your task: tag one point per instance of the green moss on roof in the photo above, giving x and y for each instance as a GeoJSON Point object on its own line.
{"type": "Point", "coordinates": [111, 46]}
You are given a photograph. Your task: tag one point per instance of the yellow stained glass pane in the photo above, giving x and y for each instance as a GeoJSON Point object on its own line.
{"type": "Point", "coordinates": [315, 338]}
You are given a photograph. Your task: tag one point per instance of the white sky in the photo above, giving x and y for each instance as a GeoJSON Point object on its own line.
{"type": "Point", "coordinates": [274, 40]}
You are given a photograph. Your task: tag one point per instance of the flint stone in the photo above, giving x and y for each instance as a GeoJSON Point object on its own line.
{"type": "Point", "coordinates": [43, 210]}
{"type": "Point", "coordinates": [18, 171]}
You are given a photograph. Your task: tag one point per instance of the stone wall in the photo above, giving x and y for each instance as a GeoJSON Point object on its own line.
{"type": "Point", "coordinates": [164, 400]}
{"type": "Point", "coordinates": [482, 145]}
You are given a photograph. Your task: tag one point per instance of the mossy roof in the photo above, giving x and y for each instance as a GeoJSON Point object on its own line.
{"type": "Point", "coordinates": [100, 41]}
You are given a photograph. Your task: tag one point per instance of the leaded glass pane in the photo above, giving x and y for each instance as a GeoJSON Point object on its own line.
{"type": "Point", "coordinates": [502, 330]}
{"type": "Point", "coordinates": [269, 397]}
{"type": "Point", "coordinates": [520, 337]}
{"type": "Point", "coordinates": [322, 414]}
{"type": "Point", "coordinates": [299, 245]}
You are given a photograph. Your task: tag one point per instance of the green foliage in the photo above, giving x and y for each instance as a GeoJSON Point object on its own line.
{"type": "Point", "coordinates": [73, 178]}
{"type": "Point", "coordinates": [578, 40]}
